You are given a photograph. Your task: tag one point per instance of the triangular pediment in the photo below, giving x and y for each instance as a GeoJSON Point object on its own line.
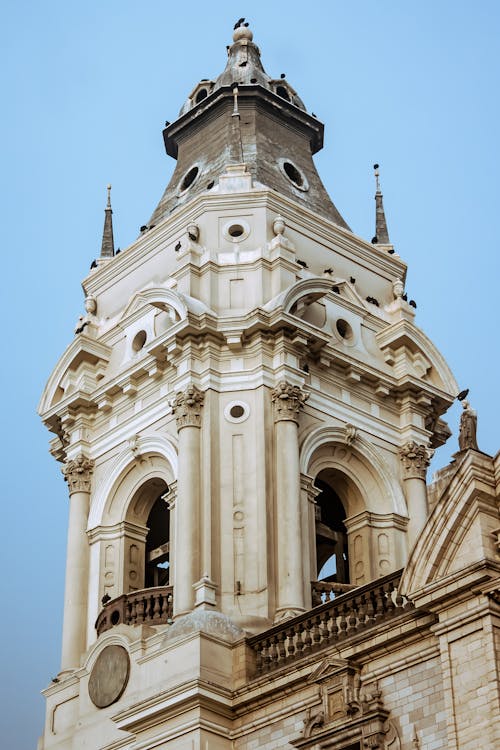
{"type": "Point", "coordinates": [330, 667]}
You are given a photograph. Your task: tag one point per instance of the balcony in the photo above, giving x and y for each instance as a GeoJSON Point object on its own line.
{"type": "Point", "coordinates": [153, 606]}
{"type": "Point", "coordinates": [347, 615]}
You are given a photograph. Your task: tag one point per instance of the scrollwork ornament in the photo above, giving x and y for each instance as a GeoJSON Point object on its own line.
{"type": "Point", "coordinates": [288, 400]}
{"type": "Point", "coordinates": [415, 458]}
{"type": "Point", "coordinates": [187, 407]}
{"type": "Point", "coordinates": [77, 473]}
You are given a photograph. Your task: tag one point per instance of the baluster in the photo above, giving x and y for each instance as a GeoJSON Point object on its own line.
{"type": "Point", "coordinates": [352, 616]}
{"type": "Point", "coordinates": [299, 643]}
{"type": "Point", "coordinates": [378, 600]}
{"type": "Point", "coordinates": [323, 627]}
{"type": "Point", "coordinates": [362, 612]}
{"type": "Point", "coordinates": [140, 610]}
{"type": "Point", "coordinates": [133, 612]}
{"type": "Point", "coordinates": [281, 646]}
{"type": "Point", "coordinates": [267, 654]}
{"type": "Point", "coordinates": [334, 628]}
{"type": "Point", "coordinates": [316, 634]}
{"type": "Point", "coordinates": [258, 657]}
{"type": "Point", "coordinates": [342, 620]}
{"type": "Point", "coordinates": [306, 628]}
{"type": "Point", "coordinates": [170, 605]}
{"type": "Point", "coordinates": [389, 602]}
{"type": "Point", "coordinates": [291, 642]}
{"type": "Point", "coordinates": [156, 607]}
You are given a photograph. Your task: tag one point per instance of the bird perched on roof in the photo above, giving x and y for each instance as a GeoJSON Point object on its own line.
{"type": "Point", "coordinates": [463, 395]}
{"type": "Point", "coordinates": [239, 22]}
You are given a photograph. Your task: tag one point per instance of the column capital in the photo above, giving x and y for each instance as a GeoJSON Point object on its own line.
{"type": "Point", "coordinates": [415, 458]}
{"type": "Point", "coordinates": [287, 401]}
{"type": "Point", "coordinates": [187, 407]}
{"type": "Point", "coordinates": [77, 473]}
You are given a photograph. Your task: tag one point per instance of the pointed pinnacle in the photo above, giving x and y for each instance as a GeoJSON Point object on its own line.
{"type": "Point", "coordinates": [108, 243]}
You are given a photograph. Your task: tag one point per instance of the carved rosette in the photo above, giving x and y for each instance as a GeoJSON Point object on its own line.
{"type": "Point", "coordinates": [415, 459]}
{"type": "Point", "coordinates": [187, 407]}
{"type": "Point", "coordinates": [288, 400]}
{"type": "Point", "coordinates": [77, 473]}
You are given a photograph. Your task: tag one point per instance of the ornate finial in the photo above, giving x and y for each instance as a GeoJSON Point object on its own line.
{"type": "Point", "coordinates": [279, 225]}
{"type": "Point", "coordinates": [108, 243]}
{"type": "Point", "coordinates": [381, 233]}
{"type": "Point", "coordinates": [467, 439]}
{"type": "Point", "coordinates": [241, 31]}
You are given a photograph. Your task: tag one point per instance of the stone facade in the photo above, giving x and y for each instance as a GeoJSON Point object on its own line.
{"type": "Point", "coordinates": [245, 418]}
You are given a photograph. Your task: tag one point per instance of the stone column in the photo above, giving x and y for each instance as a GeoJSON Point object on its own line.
{"type": "Point", "coordinates": [187, 409]}
{"type": "Point", "coordinates": [77, 473]}
{"type": "Point", "coordinates": [288, 400]}
{"type": "Point", "coordinates": [415, 459]}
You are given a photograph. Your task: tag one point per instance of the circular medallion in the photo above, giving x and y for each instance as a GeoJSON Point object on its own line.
{"type": "Point", "coordinates": [109, 676]}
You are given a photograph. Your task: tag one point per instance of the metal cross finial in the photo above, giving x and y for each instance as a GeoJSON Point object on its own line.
{"type": "Point", "coordinates": [377, 174]}
{"type": "Point", "coordinates": [109, 196]}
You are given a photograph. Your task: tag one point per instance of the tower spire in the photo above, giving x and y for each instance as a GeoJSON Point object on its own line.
{"type": "Point", "coordinates": [108, 243]}
{"type": "Point", "coordinates": [381, 233]}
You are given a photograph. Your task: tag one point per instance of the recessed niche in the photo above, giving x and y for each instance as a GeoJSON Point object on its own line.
{"type": "Point", "coordinates": [189, 178]}
{"type": "Point", "coordinates": [344, 329]}
{"type": "Point", "coordinates": [202, 94]}
{"type": "Point", "coordinates": [139, 340]}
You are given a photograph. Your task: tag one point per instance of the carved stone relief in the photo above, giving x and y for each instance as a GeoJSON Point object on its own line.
{"type": "Point", "coordinates": [348, 712]}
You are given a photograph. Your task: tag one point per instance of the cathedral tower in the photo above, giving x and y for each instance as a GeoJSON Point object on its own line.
{"type": "Point", "coordinates": [245, 418]}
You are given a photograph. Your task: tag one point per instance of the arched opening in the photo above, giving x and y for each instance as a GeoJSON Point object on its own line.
{"type": "Point", "coordinates": [332, 557]}
{"type": "Point", "coordinates": [157, 553]}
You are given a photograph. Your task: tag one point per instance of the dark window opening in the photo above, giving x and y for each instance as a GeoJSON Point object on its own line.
{"type": "Point", "coordinates": [158, 545]}
{"type": "Point", "coordinates": [293, 174]}
{"type": "Point", "coordinates": [202, 94]}
{"type": "Point", "coordinates": [189, 178]}
{"type": "Point", "coordinates": [283, 92]}
{"type": "Point", "coordinates": [332, 559]}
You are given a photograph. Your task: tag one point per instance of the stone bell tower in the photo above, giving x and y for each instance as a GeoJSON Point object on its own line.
{"type": "Point", "coordinates": [244, 418]}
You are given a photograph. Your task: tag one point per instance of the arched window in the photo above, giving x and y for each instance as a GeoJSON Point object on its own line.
{"type": "Point", "coordinates": [158, 544]}
{"type": "Point", "coordinates": [332, 561]}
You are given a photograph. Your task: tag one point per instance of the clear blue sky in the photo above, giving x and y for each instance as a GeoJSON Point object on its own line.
{"type": "Point", "coordinates": [86, 90]}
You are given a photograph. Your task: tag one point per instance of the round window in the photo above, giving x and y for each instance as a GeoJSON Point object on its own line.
{"type": "Point", "coordinates": [344, 329]}
{"type": "Point", "coordinates": [294, 174]}
{"type": "Point", "coordinates": [139, 340]}
{"type": "Point", "coordinates": [236, 231]}
{"type": "Point", "coordinates": [189, 178]}
{"type": "Point", "coordinates": [237, 411]}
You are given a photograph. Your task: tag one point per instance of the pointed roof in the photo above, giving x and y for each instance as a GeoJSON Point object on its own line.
{"type": "Point", "coordinates": [381, 231]}
{"type": "Point", "coordinates": [244, 116]}
{"type": "Point", "coordinates": [108, 243]}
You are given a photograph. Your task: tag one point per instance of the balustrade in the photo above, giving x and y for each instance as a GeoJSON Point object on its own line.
{"type": "Point", "coordinates": [347, 615]}
{"type": "Point", "coordinates": [153, 606]}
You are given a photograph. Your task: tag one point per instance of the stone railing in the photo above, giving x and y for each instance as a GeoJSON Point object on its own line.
{"type": "Point", "coordinates": [152, 606]}
{"type": "Point", "coordinates": [346, 616]}
{"type": "Point", "coordinates": [324, 591]}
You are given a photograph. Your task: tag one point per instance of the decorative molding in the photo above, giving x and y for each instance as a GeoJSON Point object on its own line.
{"type": "Point", "coordinates": [187, 407]}
{"type": "Point", "coordinates": [288, 400]}
{"type": "Point", "coordinates": [77, 473]}
{"type": "Point", "coordinates": [415, 459]}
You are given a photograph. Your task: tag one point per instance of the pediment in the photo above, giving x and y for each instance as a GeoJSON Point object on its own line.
{"type": "Point", "coordinates": [159, 297]}
{"type": "Point", "coordinates": [82, 350]}
{"type": "Point", "coordinates": [459, 536]}
{"type": "Point", "coordinates": [404, 336]}
{"type": "Point", "coordinates": [330, 667]}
